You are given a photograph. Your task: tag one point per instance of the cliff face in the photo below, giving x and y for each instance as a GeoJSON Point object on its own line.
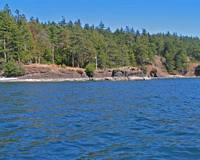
{"type": "Point", "coordinates": [127, 72]}
{"type": "Point", "coordinates": [42, 71]}
{"type": "Point", "coordinates": [156, 69]}
{"type": "Point", "coordinates": [191, 69]}
{"type": "Point", "coordinates": [159, 67]}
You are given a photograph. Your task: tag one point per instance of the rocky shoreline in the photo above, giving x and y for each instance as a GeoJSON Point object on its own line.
{"type": "Point", "coordinates": [3, 79]}
{"type": "Point", "coordinates": [54, 73]}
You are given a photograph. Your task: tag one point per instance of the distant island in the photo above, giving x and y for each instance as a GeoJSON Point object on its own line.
{"type": "Point", "coordinates": [30, 49]}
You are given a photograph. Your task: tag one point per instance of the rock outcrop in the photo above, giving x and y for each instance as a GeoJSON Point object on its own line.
{"type": "Point", "coordinates": [127, 72]}
{"type": "Point", "coordinates": [157, 68]}
{"type": "Point", "coordinates": [153, 73]}
{"type": "Point", "coordinates": [197, 71]}
{"type": "Point", "coordinates": [41, 71]}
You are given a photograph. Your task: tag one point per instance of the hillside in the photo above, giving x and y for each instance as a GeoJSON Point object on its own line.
{"type": "Point", "coordinates": [76, 45]}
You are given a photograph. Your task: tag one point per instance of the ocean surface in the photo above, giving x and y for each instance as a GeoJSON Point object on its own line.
{"type": "Point", "coordinates": [100, 120]}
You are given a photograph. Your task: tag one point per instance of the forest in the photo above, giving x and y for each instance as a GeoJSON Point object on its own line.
{"type": "Point", "coordinates": [75, 44]}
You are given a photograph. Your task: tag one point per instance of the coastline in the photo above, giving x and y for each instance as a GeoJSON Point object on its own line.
{"type": "Point", "coordinates": [55, 73]}
{"type": "Point", "coordinates": [18, 79]}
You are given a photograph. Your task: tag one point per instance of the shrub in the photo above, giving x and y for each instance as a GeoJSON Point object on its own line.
{"type": "Point", "coordinates": [144, 69]}
{"type": "Point", "coordinates": [89, 69]}
{"type": "Point", "coordinates": [12, 69]}
{"type": "Point", "coordinates": [1, 64]}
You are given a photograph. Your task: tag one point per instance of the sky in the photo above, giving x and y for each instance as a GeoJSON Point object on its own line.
{"type": "Point", "coordinates": [180, 16]}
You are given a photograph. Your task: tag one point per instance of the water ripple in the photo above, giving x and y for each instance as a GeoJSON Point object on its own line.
{"type": "Point", "coordinates": [100, 120]}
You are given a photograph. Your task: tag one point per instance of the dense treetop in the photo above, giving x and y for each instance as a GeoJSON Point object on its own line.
{"type": "Point", "coordinates": [74, 44]}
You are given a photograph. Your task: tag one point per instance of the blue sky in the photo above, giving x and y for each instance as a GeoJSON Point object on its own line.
{"type": "Point", "coordinates": [181, 16]}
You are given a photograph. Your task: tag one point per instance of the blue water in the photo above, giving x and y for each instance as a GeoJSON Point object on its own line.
{"type": "Point", "coordinates": [100, 120]}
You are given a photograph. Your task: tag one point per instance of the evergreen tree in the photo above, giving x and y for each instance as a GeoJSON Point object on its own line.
{"type": "Point", "coordinates": [71, 44]}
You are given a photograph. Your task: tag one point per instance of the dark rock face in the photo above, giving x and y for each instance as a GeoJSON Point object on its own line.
{"type": "Point", "coordinates": [103, 73]}
{"type": "Point", "coordinates": [197, 71]}
{"type": "Point", "coordinates": [118, 73]}
{"type": "Point", "coordinates": [183, 72]}
{"type": "Point", "coordinates": [127, 72]}
{"type": "Point", "coordinates": [153, 73]}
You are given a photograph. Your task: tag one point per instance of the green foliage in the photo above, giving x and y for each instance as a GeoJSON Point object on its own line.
{"type": "Point", "coordinates": [70, 44]}
{"type": "Point", "coordinates": [144, 69]}
{"type": "Point", "coordinates": [170, 63]}
{"type": "Point", "coordinates": [2, 62]}
{"type": "Point", "coordinates": [12, 69]}
{"type": "Point", "coordinates": [181, 62]}
{"type": "Point", "coordinates": [89, 69]}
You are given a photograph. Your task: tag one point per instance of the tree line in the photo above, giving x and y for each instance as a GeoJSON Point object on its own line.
{"type": "Point", "coordinates": [77, 45]}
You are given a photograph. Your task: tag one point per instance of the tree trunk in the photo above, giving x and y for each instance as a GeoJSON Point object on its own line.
{"type": "Point", "coordinates": [25, 47]}
{"type": "Point", "coordinates": [96, 61]}
{"type": "Point", "coordinates": [39, 59]}
{"type": "Point", "coordinates": [19, 60]}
